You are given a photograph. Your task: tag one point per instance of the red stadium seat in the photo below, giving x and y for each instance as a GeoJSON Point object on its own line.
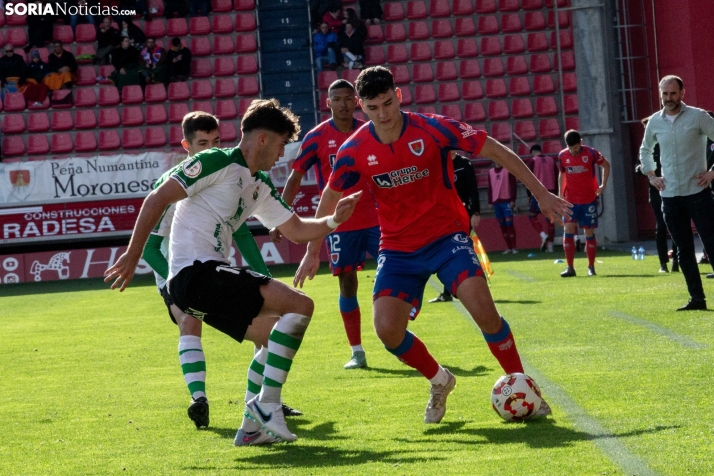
{"type": "Point", "coordinates": [85, 119]}
{"type": "Point", "coordinates": [571, 104]}
{"type": "Point", "coordinates": [418, 30]}
{"type": "Point", "coordinates": [397, 54]}
{"type": "Point", "coordinates": [566, 40]}
{"type": "Point", "coordinates": [175, 136]}
{"type": "Point", "coordinates": [85, 142]}
{"type": "Point", "coordinates": [446, 71]}
{"type": "Point", "coordinates": [508, 5]}
{"type": "Point", "coordinates": [155, 28]}
{"type": "Point", "coordinates": [469, 69]}
{"type": "Point", "coordinates": [222, 24]}
{"type": "Point", "coordinates": [63, 33]}
{"type": "Point", "coordinates": [420, 52]}
{"type": "Point", "coordinates": [38, 145]}
{"type": "Point", "coordinates": [132, 139]}
{"type": "Point", "coordinates": [572, 123]}
{"type": "Point", "coordinates": [225, 88]}
{"type": "Point", "coordinates": [177, 112]}
{"type": "Point", "coordinates": [534, 21]}
{"type": "Point", "coordinates": [129, 95]}
{"type": "Point", "coordinates": [426, 110]}
{"type": "Point", "coordinates": [496, 88]}
{"type": "Point", "coordinates": [416, 10]}
{"type": "Point", "coordinates": [374, 55]}
{"type": "Point", "coordinates": [488, 25]}
{"type": "Point", "coordinates": [521, 108]}
{"type": "Point", "coordinates": [45, 104]}
{"type": "Point", "coordinates": [201, 67]}
{"type": "Point", "coordinates": [226, 109]}
{"type": "Point", "coordinates": [14, 102]}
{"type": "Point", "coordinates": [525, 130]}
{"type": "Point", "coordinates": [537, 42]}
{"type": "Point", "coordinates": [132, 116]}
{"type": "Point", "coordinates": [109, 118]}
{"type": "Point", "coordinates": [16, 37]}
{"type": "Point", "coordinates": [563, 20]}
{"type": "Point", "coordinates": [248, 86]}
{"type": "Point", "coordinates": [155, 93]}
{"type": "Point", "coordinates": [493, 67]}
{"type": "Point", "coordinates": [393, 11]}
{"type": "Point", "coordinates": [15, 20]}
{"type": "Point", "coordinates": [199, 26]}
{"type": "Point", "coordinates": [37, 122]}
{"type": "Point", "coordinates": [516, 65]}
{"type": "Point", "coordinates": [374, 34]}
{"type": "Point", "coordinates": [552, 147]}
{"type": "Point", "coordinates": [513, 45]}
{"type": "Point", "coordinates": [464, 26]}
{"type": "Point", "coordinates": [325, 78]}
{"type": "Point", "coordinates": [441, 29]}
{"type": "Point", "coordinates": [532, 4]}
{"type": "Point", "coordinates": [543, 84]}
{"type": "Point", "coordinates": [549, 129]}
{"type": "Point", "coordinates": [491, 46]}
{"type": "Point", "coordinates": [62, 121]}
{"type": "Point", "coordinates": [245, 22]}
{"type": "Point", "coordinates": [568, 61]}
{"type": "Point", "coordinates": [200, 46]}
{"type": "Point", "coordinates": [177, 27]}
{"type": "Point", "coordinates": [471, 90]}
{"type": "Point", "coordinates": [157, 6]}
{"type": "Point", "coordinates": [422, 73]}
{"type": "Point", "coordinates": [179, 92]}
{"type": "Point", "coordinates": [424, 94]}
{"type": "Point", "coordinates": [247, 64]}
{"type": "Point", "coordinates": [400, 73]}
{"type": "Point", "coordinates": [86, 33]}
{"type": "Point", "coordinates": [485, 6]}
{"type": "Point", "coordinates": [223, 45]}
{"type": "Point", "coordinates": [221, 6]}
{"type": "Point", "coordinates": [350, 74]}
{"type": "Point", "coordinates": [15, 123]}
{"type": "Point", "coordinates": [86, 75]}
{"type": "Point", "coordinates": [406, 96]}
{"type": "Point", "coordinates": [462, 8]}
{"type": "Point", "coordinates": [501, 131]}
{"type": "Point", "coordinates": [61, 99]}
{"type": "Point", "coordinates": [109, 96]}
{"type": "Point", "coordinates": [201, 89]}
{"type": "Point", "coordinates": [2, 36]}
{"type": "Point", "coordinates": [449, 92]}
{"type": "Point", "coordinates": [561, 3]}
{"type": "Point", "coordinates": [546, 106]}
{"type": "Point", "coordinates": [105, 71]}
{"type": "Point", "coordinates": [86, 51]}
{"type": "Point", "coordinates": [395, 33]}
{"type": "Point", "coordinates": [474, 112]}
{"type": "Point", "coordinates": [466, 48]}
{"type": "Point", "coordinates": [13, 146]}
{"type": "Point", "coordinates": [155, 137]}
{"type": "Point", "coordinates": [156, 114]}
{"type": "Point", "coordinates": [62, 143]}
{"type": "Point", "coordinates": [444, 49]}
{"type": "Point", "coordinates": [109, 140]}
{"type": "Point", "coordinates": [540, 63]}
{"type": "Point", "coordinates": [511, 23]}
{"type": "Point", "coordinates": [519, 87]}
{"type": "Point", "coordinates": [439, 8]}
{"type": "Point", "coordinates": [227, 130]}
{"type": "Point", "coordinates": [570, 83]}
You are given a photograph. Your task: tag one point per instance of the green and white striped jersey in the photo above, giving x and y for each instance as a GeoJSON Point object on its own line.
{"type": "Point", "coordinates": [222, 194]}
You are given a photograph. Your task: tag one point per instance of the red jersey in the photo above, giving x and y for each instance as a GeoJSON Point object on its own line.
{"type": "Point", "coordinates": [579, 174]}
{"type": "Point", "coordinates": [411, 179]}
{"type": "Point", "coordinates": [319, 148]}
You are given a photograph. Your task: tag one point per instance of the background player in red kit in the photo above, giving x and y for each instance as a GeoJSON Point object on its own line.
{"type": "Point", "coordinates": [350, 242]}
{"type": "Point", "coordinates": [425, 228]}
{"type": "Point", "coordinates": [579, 185]}
{"type": "Point", "coordinates": [543, 167]}
{"type": "Point", "coordinates": [502, 197]}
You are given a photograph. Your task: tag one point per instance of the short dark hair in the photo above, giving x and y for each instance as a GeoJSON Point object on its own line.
{"type": "Point", "coordinates": [535, 147]}
{"type": "Point", "coordinates": [572, 137]}
{"type": "Point", "coordinates": [671, 77]}
{"type": "Point", "coordinates": [176, 41]}
{"type": "Point", "coordinates": [267, 114]}
{"type": "Point", "coordinates": [374, 81]}
{"type": "Point", "coordinates": [198, 121]}
{"type": "Point", "coordinates": [340, 84]}
{"type": "Point", "coordinates": [54, 43]}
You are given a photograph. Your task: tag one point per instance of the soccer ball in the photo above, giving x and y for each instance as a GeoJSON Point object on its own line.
{"type": "Point", "coordinates": [515, 397]}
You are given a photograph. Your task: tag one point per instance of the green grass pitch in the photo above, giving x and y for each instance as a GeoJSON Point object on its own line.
{"type": "Point", "coordinates": [92, 385]}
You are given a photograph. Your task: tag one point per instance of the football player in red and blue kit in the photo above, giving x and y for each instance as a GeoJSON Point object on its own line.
{"type": "Point", "coordinates": [578, 184]}
{"type": "Point", "coordinates": [359, 235]}
{"type": "Point", "coordinates": [425, 228]}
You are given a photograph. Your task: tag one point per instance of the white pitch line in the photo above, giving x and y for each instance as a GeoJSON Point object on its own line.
{"type": "Point", "coordinates": [518, 275]}
{"type": "Point", "coordinates": [601, 437]}
{"type": "Point", "coordinates": [684, 341]}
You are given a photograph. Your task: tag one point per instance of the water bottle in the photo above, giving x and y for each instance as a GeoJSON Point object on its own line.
{"type": "Point", "coordinates": [641, 253]}
{"type": "Point", "coordinates": [634, 253]}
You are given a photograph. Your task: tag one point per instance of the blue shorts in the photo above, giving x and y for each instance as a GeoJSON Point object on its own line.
{"type": "Point", "coordinates": [502, 211]}
{"type": "Point", "coordinates": [404, 275]}
{"type": "Point", "coordinates": [584, 215]}
{"type": "Point", "coordinates": [348, 249]}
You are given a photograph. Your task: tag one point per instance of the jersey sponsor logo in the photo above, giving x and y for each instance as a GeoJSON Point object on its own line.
{"type": "Point", "coordinates": [417, 147]}
{"type": "Point", "coordinates": [468, 130]}
{"type": "Point", "coordinates": [195, 313]}
{"type": "Point", "coordinates": [192, 170]}
{"type": "Point", "coordinates": [404, 176]}
{"type": "Point", "coordinates": [460, 238]}
{"type": "Point", "coordinates": [332, 160]}
{"type": "Point", "coordinates": [591, 208]}
{"type": "Point", "coordinates": [577, 169]}
{"type": "Point", "coordinates": [372, 160]}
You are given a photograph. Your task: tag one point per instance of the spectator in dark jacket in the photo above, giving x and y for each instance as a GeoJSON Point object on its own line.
{"type": "Point", "coordinates": [12, 71]}
{"type": "Point", "coordinates": [371, 11]}
{"type": "Point", "coordinates": [178, 60]}
{"type": "Point", "coordinates": [39, 30]}
{"type": "Point", "coordinates": [127, 65]}
{"type": "Point", "coordinates": [34, 90]}
{"type": "Point", "coordinates": [108, 38]}
{"type": "Point", "coordinates": [176, 8]}
{"type": "Point", "coordinates": [318, 8]}
{"type": "Point", "coordinates": [62, 66]}
{"type": "Point", "coordinates": [137, 38]}
{"type": "Point", "coordinates": [352, 46]}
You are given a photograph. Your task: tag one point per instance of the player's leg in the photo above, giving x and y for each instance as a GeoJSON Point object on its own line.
{"type": "Point", "coordinates": [500, 214]}
{"type": "Point", "coordinates": [510, 228]}
{"type": "Point", "coordinates": [570, 229]}
{"type": "Point", "coordinates": [193, 365]}
{"type": "Point", "coordinates": [533, 212]}
{"type": "Point", "coordinates": [661, 230]}
{"type": "Point", "coordinates": [550, 230]}
{"type": "Point", "coordinates": [352, 318]}
{"type": "Point", "coordinates": [590, 249]}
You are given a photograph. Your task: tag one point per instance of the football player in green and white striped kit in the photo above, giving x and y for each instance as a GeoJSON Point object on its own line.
{"type": "Point", "coordinates": [200, 131]}
{"type": "Point", "coordinates": [216, 191]}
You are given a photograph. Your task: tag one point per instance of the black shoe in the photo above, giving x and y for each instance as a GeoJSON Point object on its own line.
{"type": "Point", "coordinates": [198, 412]}
{"type": "Point", "coordinates": [663, 268]}
{"type": "Point", "coordinates": [591, 271]}
{"type": "Point", "coordinates": [710, 276]}
{"type": "Point", "coordinates": [442, 298]}
{"type": "Point", "coordinates": [675, 266]}
{"type": "Point", "coordinates": [569, 272]}
{"type": "Point", "coordinates": [694, 305]}
{"type": "Point", "coordinates": [289, 411]}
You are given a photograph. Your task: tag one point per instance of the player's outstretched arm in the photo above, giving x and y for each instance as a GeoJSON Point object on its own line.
{"type": "Point", "coordinates": [302, 230]}
{"type": "Point", "coordinates": [552, 207]}
{"type": "Point", "coordinates": [154, 205]}
{"type": "Point", "coordinates": [290, 191]}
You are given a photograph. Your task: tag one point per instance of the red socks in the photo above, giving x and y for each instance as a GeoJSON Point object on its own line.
{"type": "Point", "coordinates": [591, 249]}
{"type": "Point", "coordinates": [414, 353]}
{"type": "Point", "coordinates": [503, 347]}
{"type": "Point", "coordinates": [569, 248]}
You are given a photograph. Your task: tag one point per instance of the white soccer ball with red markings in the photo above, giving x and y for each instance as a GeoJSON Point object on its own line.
{"type": "Point", "coordinates": [515, 397]}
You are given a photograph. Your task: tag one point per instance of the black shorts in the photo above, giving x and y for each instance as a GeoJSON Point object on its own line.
{"type": "Point", "coordinates": [168, 301]}
{"type": "Point", "coordinates": [222, 296]}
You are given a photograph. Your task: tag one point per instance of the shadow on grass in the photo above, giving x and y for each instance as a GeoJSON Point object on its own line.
{"type": "Point", "coordinates": [407, 372]}
{"type": "Point", "coordinates": [513, 301]}
{"type": "Point", "coordinates": [322, 432]}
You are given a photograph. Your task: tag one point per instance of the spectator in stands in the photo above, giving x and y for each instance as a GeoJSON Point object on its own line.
{"type": "Point", "coordinates": [127, 65]}
{"type": "Point", "coordinates": [318, 8]}
{"type": "Point", "coordinates": [12, 71]}
{"type": "Point", "coordinates": [108, 38]}
{"type": "Point", "coordinates": [175, 8]}
{"type": "Point", "coordinates": [154, 58]}
{"type": "Point", "coordinates": [39, 30]}
{"type": "Point", "coordinates": [352, 46]}
{"type": "Point", "coordinates": [34, 90]}
{"type": "Point", "coordinates": [137, 38]}
{"type": "Point", "coordinates": [334, 19]}
{"type": "Point", "coordinates": [62, 66]}
{"type": "Point", "coordinates": [356, 22]}
{"type": "Point", "coordinates": [77, 6]}
{"type": "Point", "coordinates": [371, 11]}
{"type": "Point", "coordinates": [323, 44]}
{"type": "Point", "coordinates": [195, 5]}
{"type": "Point", "coordinates": [179, 61]}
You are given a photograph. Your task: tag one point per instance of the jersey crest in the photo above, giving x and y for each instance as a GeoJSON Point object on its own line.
{"type": "Point", "coordinates": [417, 147]}
{"type": "Point", "coordinates": [192, 170]}
{"type": "Point", "coordinates": [585, 159]}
